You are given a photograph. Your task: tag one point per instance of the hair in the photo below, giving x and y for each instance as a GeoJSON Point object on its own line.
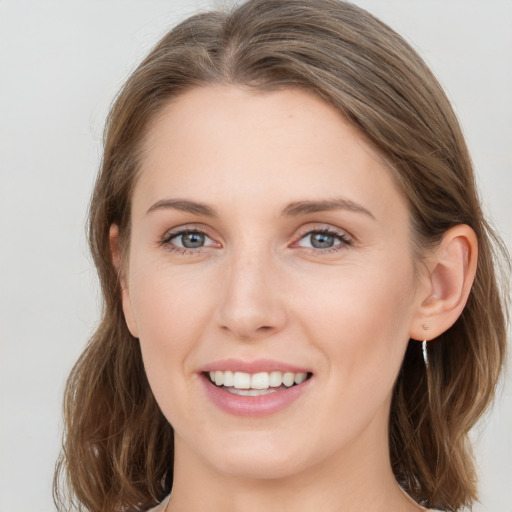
{"type": "Point", "coordinates": [118, 447]}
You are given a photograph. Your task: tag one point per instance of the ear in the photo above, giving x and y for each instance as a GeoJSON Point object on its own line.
{"type": "Point", "coordinates": [451, 272]}
{"type": "Point", "coordinates": [125, 294]}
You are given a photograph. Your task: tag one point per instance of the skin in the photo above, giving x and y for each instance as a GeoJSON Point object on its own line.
{"type": "Point", "coordinates": [259, 289]}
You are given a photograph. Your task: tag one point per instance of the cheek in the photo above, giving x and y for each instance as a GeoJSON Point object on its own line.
{"type": "Point", "coordinates": [165, 301]}
{"type": "Point", "coordinates": [171, 309]}
{"type": "Point", "coordinates": [360, 319]}
{"type": "Point", "coordinates": [359, 322]}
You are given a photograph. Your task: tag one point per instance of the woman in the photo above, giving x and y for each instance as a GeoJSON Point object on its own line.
{"type": "Point", "coordinates": [301, 300]}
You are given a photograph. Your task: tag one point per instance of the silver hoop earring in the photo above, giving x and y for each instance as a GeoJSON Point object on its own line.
{"type": "Point", "coordinates": [425, 353]}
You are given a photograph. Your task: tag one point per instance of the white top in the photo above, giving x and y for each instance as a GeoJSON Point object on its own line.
{"type": "Point", "coordinates": [161, 506]}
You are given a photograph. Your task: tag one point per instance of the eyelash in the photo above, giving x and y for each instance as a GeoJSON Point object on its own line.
{"type": "Point", "coordinates": [168, 237]}
{"type": "Point", "coordinates": [343, 238]}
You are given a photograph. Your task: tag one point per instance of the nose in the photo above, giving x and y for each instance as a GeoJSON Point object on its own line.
{"type": "Point", "coordinates": [252, 301]}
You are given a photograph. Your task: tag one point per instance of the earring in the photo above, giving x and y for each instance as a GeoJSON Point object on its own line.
{"type": "Point", "coordinates": [426, 327]}
{"type": "Point", "coordinates": [425, 353]}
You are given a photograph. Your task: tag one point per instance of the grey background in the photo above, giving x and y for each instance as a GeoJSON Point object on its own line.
{"type": "Point", "coordinates": [61, 63]}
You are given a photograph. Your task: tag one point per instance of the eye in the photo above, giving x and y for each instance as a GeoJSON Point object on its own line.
{"type": "Point", "coordinates": [190, 240]}
{"type": "Point", "coordinates": [185, 240]}
{"type": "Point", "coordinates": [324, 239]}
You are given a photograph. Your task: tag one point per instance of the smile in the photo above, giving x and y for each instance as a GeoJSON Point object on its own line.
{"type": "Point", "coordinates": [254, 392]}
{"type": "Point", "coordinates": [256, 384]}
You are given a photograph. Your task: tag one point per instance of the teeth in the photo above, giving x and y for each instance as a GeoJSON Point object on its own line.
{"type": "Point", "coordinates": [299, 377]}
{"type": "Point", "coordinates": [229, 379]}
{"type": "Point", "coordinates": [276, 379]}
{"type": "Point", "coordinates": [260, 381]}
{"type": "Point", "coordinates": [219, 378]}
{"type": "Point", "coordinates": [242, 380]}
{"type": "Point", "coordinates": [256, 381]}
{"type": "Point", "coordinates": [289, 379]}
{"type": "Point", "coordinates": [251, 392]}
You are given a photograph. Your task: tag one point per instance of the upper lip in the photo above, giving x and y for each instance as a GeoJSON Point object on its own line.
{"type": "Point", "coordinates": [255, 366]}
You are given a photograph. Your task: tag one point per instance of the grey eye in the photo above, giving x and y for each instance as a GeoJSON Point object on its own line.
{"type": "Point", "coordinates": [188, 240]}
{"type": "Point", "coordinates": [191, 240]}
{"type": "Point", "coordinates": [322, 240]}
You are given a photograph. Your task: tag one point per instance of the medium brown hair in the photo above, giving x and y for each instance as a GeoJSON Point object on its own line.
{"type": "Point", "coordinates": [118, 447]}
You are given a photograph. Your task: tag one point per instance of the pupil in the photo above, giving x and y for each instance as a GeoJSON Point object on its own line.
{"type": "Point", "coordinates": [321, 240]}
{"type": "Point", "coordinates": [192, 240]}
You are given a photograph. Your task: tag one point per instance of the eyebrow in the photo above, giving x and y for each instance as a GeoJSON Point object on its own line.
{"type": "Point", "coordinates": [185, 205]}
{"type": "Point", "coordinates": [305, 207]}
{"type": "Point", "coordinates": [291, 210]}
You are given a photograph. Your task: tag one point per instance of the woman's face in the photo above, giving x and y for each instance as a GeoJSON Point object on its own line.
{"type": "Point", "coordinates": [268, 243]}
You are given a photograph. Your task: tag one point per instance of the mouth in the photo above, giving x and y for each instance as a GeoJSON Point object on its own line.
{"type": "Point", "coordinates": [255, 384]}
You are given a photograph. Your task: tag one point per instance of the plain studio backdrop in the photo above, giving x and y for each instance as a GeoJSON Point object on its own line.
{"type": "Point", "coordinates": [61, 64]}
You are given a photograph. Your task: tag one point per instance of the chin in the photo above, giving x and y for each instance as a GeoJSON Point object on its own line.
{"type": "Point", "coordinates": [265, 460]}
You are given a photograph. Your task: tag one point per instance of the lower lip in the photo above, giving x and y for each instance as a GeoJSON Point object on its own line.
{"type": "Point", "coordinates": [253, 406]}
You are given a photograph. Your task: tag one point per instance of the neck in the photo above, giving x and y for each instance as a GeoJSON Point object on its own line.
{"type": "Point", "coordinates": [359, 479]}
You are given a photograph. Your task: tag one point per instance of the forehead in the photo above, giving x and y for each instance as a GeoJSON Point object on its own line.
{"type": "Point", "coordinates": [248, 115]}
{"type": "Point", "coordinates": [230, 142]}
